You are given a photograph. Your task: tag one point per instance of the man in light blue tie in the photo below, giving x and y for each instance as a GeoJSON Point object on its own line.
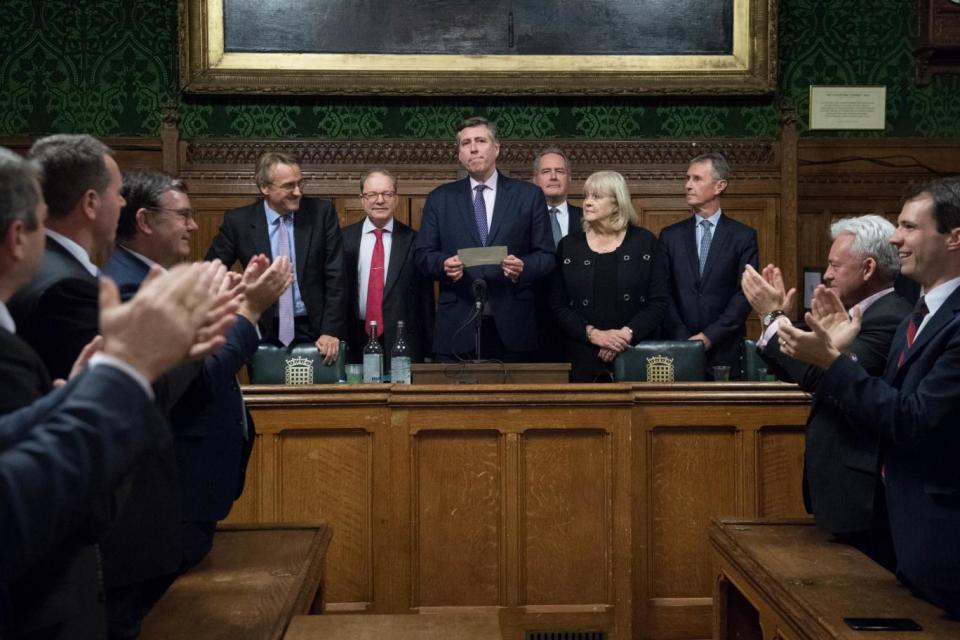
{"type": "Point", "coordinates": [706, 255]}
{"type": "Point", "coordinates": [305, 230]}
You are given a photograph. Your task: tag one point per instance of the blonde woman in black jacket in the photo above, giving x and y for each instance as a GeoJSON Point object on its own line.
{"type": "Point", "coordinates": [610, 288]}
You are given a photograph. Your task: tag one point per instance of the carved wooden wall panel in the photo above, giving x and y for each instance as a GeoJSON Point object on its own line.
{"type": "Point", "coordinates": [840, 177]}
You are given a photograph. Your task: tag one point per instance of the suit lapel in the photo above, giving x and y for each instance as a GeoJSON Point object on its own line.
{"type": "Point", "coordinates": [465, 206]}
{"type": "Point", "coordinates": [501, 205]}
{"type": "Point", "coordinates": [690, 242]}
{"type": "Point", "coordinates": [719, 237]}
{"type": "Point", "coordinates": [399, 247]}
{"type": "Point", "coordinates": [259, 231]}
{"type": "Point", "coordinates": [351, 263]}
{"type": "Point", "coordinates": [944, 316]}
{"type": "Point", "coordinates": [302, 235]}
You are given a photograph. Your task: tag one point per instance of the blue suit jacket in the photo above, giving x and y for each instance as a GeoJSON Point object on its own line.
{"type": "Point", "coordinates": [712, 303]}
{"type": "Point", "coordinates": [520, 222]}
{"type": "Point", "coordinates": [61, 452]}
{"type": "Point", "coordinates": [213, 433]}
{"type": "Point", "coordinates": [913, 410]}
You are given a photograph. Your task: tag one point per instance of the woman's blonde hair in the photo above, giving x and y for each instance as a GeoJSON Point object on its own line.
{"type": "Point", "coordinates": [611, 183]}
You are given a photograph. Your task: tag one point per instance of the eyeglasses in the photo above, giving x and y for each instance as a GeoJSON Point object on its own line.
{"type": "Point", "coordinates": [290, 186]}
{"type": "Point", "coordinates": [373, 196]}
{"type": "Point", "coordinates": [186, 214]}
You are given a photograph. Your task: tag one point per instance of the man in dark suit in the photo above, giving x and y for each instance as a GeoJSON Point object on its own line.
{"type": "Point", "coordinates": [551, 172]}
{"type": "Point", "coordinates": [306, 230]}
{"type": "Point", "coordinates": [56, 313]}
{"type": "Point", "coordinates": [912, 409]}
{"type": "Point", "coordinates": [23, 376]}
{"type": "Point", "coordinates": [841, 479]}
{"type": "Point", "coordinates": [706, 255]}
{"type": "Point", "coordinates": [213, 433]}
{"type": "Point", "coordinates": [485, 209]}
{"type": "Point", "coordinates": [60, 455]}
{"type": "Point", "coordinates": [402, 292]}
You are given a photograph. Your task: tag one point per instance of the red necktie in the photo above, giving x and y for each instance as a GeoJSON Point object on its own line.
{"type": "Point", "coordinates": [375, 286]}
{"type": "Point", "coordinates": [916, 319]}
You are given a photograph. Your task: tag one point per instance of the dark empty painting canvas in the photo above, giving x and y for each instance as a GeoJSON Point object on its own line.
{"type": "Point", "coordinates": [498, 27]}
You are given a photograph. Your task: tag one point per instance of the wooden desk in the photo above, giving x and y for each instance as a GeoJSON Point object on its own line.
{"type": "Point", "coordinates": [256, 578]}
{"type": "Point", "coordinates": [785, 580]}
{"type": "Point", "coordinates": [441, 626]}
{"type": "Point", "coordinates": [569, 507]}
{"type": "Point", "coordinates": [491, 373]}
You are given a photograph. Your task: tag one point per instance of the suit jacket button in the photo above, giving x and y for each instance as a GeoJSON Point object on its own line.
{"type": "Point", "coordinates": [567, 261]}
{"type": "Point", "coordinates": [626, 297]}
{"type": "Point", "coordinates": [642, 299]}
{"type": "Point", "coordinates": [646, 256]}
{"type": "Point", "coordinates": [626, 258]}
{"type": "Point", "coordinates": [586, 263]}
{"type": "Point", "coordinates": [586, 302]}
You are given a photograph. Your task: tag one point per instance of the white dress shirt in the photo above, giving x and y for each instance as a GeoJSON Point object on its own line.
{"type": "Point", "coordinates": [367, 241]}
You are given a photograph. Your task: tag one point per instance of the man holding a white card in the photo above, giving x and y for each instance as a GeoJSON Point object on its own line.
{"type": "Point", "coordinates": [487, 240]}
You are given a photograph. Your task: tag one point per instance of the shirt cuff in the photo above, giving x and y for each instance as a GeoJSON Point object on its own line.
{"type": "Point", "coordinates": [103, 359]}
{"type": "Point", "coordinates": [771, 331]}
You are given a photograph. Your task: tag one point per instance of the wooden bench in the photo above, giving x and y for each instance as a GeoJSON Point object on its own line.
{"type": "Point", "coordinates": [786, 580]}
{"type": "Point", "coordinates": [426, 626]}
{"type": "Point", "coordinates": [256, 578]}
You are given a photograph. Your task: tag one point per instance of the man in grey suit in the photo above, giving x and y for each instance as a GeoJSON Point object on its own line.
{"type": "Point", "coordinates": [841, 479]}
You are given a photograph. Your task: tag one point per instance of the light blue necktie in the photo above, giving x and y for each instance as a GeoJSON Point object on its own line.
{"type": "Point", "coordinates": [285, 311]}
{"type": "Point", "coordinates": [555, 225]}
{"type": "Point", "coordinates": [705, 240]}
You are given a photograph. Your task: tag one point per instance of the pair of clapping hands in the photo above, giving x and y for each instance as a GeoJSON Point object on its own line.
{"type": "Point", "coordinates": [833, 330]}
{"type": "Point", "coordinates": [182, 313]}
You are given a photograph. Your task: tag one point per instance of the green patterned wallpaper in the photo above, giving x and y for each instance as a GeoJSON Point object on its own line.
{"type": "Point", "coordinates": [108, 66]}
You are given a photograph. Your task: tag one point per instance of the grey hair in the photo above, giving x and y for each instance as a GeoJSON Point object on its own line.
{"type": "Point", "coordinates": [267, 161]}
{"type": "Point", "coordinates": [19, 190]}
{"type": "Point", "coordinates": [611, 183]}
{"type": "Point", "coordinates": [871, 235]}
{"type": "Point", "coordinates": [72, 165]}
{"type": "Point", "coordinates": [718, 163]}
{"type": "Point", "coordinates": [557, 151]}
{"type": "Point", "coordinates": [381, 171]}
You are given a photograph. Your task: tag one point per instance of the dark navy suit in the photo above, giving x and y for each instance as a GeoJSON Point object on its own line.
{"type": "Point", "coordinates": [712, 304]}
{"type": "Point", "coordinates": [913, 410]}
{"type": "Point", "coordinates": [213, 433]}
{"type": "Point", "coordinates": [58, 457]}
{"type": "Point", "coordinates": [841, 465]}
{"type": "Point", "coordinates": [520, 222]}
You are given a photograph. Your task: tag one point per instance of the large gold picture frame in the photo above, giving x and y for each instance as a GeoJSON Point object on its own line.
{"type": "Point", "coordinates": [205, 67]}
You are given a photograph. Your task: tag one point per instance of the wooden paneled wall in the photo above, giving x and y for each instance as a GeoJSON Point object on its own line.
{"type": "Point", "coordinates": [841, 177]}
{"type": "Point", "coordinates": [566, 507]}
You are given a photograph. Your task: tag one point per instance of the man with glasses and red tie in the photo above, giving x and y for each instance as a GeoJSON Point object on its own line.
{"type": "Point", "coordinates": [383, 283]}
{"type": "Point", "coordinates": [306, 230]}
{"type": "Point", "coordinates": [913, 407]}
{"type": "Point", "coordinates": [485, 209]}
